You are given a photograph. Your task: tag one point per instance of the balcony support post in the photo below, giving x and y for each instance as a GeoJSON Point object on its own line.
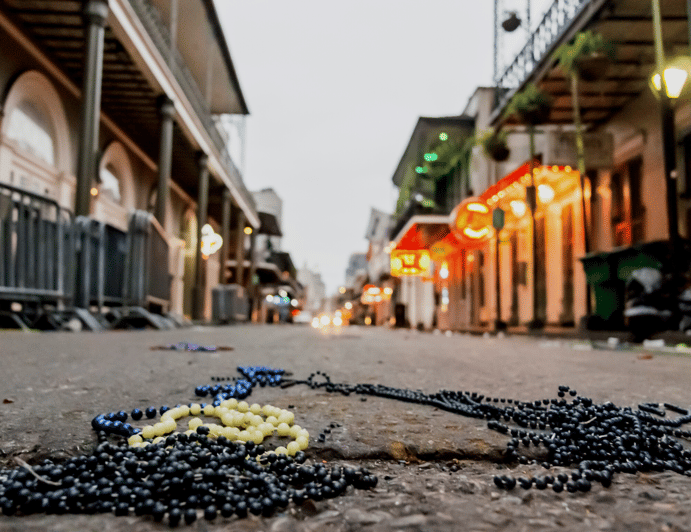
{"type": "Point", "coordinates": [95, 15]}
{"type": "Point", "coordinates": [225, 234]}
{"type": "Point", "coordinates": [251, 286]}
{"type": "Point", "coordinates": [199, 262]}
{"type": "Point", "coordinates": [165, 157]}
{"type": "Point", "coordinates": [240, 249]}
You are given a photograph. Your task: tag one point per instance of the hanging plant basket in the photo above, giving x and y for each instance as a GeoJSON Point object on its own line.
{"type": "Point", "coordinates": [593, 67]}
{"type": "Point", "coordinates": [512, 23]}
{"type": "Point", "coordinates": [497, 149]}
{"type": "Point", "coordinates": [531, 106]}
{"type": "Point", "coordinates": [588, 54]}
{"type": "Point", "coordinates": [536, 115]}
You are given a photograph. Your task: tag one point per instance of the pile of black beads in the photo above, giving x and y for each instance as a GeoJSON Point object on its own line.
{"type": "Point", "coordinates": [595, 440]}
{"type": "Point", "coordinates": [175, 479]}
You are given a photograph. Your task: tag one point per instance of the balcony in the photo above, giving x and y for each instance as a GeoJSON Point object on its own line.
{"type": "Point", "coordinates": [627, 24]}
{"type": "Point", "coordinates": [160, 34]}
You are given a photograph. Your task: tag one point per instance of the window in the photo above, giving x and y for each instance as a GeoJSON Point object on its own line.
{"type": "Point", "coordinates": [110, 184]}
{"type": "Point", "coordinates": [30, 128]}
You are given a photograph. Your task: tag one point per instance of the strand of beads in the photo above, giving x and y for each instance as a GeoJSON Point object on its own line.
{"type": "Point", "coordinates": [115, 423]}
{"type": "Point", "coordinates": [598, 440]}
{"type": "Point", "coordinates": [242, 388]}
{"type": "Point", "coordinates": [241, 422]}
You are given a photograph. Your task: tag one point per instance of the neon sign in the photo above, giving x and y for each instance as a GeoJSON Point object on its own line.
{"type": "Point", "coordinates": [472, 222]}
{"type": "Point", "coordinates": [411, 263]}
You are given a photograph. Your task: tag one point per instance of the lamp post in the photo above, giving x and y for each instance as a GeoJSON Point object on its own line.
{"type": "Point", "coordinates": [531, 200]}
{"type": "Point", "coordinates": [498, 223]}
{"type": "Point", "coordinates": [668, 83]}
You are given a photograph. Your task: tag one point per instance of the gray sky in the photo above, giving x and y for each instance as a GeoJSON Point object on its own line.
{"type": "Point", "coordinates": [334, 90]}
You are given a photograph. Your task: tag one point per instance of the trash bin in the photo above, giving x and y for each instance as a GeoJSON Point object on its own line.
{"type": "Point", "coordinates": [606, 273]}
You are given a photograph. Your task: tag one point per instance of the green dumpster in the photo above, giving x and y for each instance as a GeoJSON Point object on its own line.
{"type": "Point", "coordinates": [606, 274]}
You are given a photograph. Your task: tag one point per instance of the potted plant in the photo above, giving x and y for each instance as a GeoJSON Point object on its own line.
{"type": "Point", "coordinates": [512, 22]}
{"type": "Point", "coordinates": [494, 144]}
{"type": "Point", "coordinates": [588, 54]}
{"type": "Point", "coordinates": [530, 105]}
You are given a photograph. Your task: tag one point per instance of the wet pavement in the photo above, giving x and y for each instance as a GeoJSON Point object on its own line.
{"type": "Point", "coordinates": [435, 468]}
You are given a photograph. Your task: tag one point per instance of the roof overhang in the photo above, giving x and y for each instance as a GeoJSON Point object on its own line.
{"type": "Point", "coordinates": [202, 44]}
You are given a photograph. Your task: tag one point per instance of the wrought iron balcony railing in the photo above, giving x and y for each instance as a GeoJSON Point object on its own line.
{"type": "Point", "coordinates": [555, 21]}
{"type": "Point", "coordinates": [150, 18]}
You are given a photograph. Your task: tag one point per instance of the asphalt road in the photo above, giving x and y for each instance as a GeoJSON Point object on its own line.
{"type": "Point", "coordinates": [435, 467]}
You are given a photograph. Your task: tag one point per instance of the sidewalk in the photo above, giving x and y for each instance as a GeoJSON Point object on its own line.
{"type": "Point", "coordinates": [670, 338]}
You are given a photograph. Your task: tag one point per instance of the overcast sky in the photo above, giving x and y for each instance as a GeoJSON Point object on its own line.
{"type": "Point", "coordinates": [334, 90]}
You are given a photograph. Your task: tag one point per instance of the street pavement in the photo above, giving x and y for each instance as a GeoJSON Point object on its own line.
{"type": "Point", "coordinates": [435, 468]}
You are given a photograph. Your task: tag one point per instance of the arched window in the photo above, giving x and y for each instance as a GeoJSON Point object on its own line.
{"type": "Point", "coordinates": [31, 129]}
{"type": "Point", "coordinates": [115, 176]}
{"type": "Point", "coordinates": [110, 184]}
{"type": "Point", "coordinates": [36, 122]}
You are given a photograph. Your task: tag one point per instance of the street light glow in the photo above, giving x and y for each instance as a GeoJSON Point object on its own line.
{"type": "Point", "coordinates": [675, 78]}
{"type": "Point", "coordinates": [545, 193]}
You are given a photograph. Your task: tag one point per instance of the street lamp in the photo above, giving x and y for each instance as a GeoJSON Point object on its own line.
{"type": "Point", "coordinates": [676, 73]}
{"type": "Point", "coordinates": [669, 81]}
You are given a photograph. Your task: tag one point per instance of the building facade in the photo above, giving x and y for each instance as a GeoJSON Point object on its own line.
{"type": "Point", "coordinates": [529, 270]}
{"type": "Point", "coordinates": [109, 108]}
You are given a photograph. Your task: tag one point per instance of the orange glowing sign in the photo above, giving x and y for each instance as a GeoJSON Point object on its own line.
{"type": "Point", "coordinates": [472, 222]}
{"type": "Point", "coordinates": [411, 263]}
{"type": "Point", "coordinates": [371, 294]}
{"type": "Point", "coordinates": [440, 250]}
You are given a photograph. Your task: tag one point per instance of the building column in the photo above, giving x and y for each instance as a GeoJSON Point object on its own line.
{"type": "Point", "coordinates": [166, 108]}
{"type": "Point", "coordinates": [202, 208]}
{"type": "Point", "coordinates": [251, 287]}
{"type": "Point", "coordinates": [95, 14]}
{"type": "Point", "coordinates": [225, 235]}
{"type": "Point", "coordinates": [240, 249]}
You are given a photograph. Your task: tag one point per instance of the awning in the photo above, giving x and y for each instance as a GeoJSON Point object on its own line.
{"type": "Point", "coordinates": [422, 231]}
{"type": "Point", "coordinates": [508, 180]}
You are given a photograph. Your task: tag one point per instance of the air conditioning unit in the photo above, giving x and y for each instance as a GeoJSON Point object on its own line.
{"type": "Point", "coordinates": [229, 303]}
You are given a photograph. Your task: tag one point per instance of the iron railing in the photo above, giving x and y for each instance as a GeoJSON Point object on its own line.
{"type": "Point", "coordinates": [553, 24]}
{"type": "Point", "coordinates": [36, 248]}
{"type": "Point", "coordinates": [160, 34]}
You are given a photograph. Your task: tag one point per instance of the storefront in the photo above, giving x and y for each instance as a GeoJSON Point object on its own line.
{"type": "Point", "coordinates": [560, 290]}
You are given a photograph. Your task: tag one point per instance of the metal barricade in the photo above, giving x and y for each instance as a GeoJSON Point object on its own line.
{"type": "Point", "coordinates": [36, 249]}
{"type": "Point", "coordinates": [147, 279]}
{"type": "Point", "coordinates": [101, 255]}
